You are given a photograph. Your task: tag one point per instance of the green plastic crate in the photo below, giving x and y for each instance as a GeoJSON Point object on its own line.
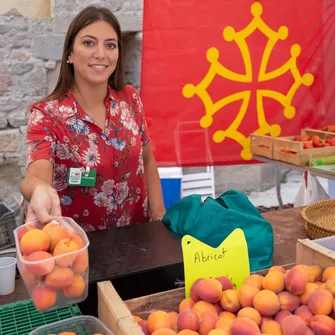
{"type": "Point", "coordinates": [20, 318]}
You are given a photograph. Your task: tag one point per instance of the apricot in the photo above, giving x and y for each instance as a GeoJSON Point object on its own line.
{"type": "Point", "coordinates": [251, 313]}
{"type": "Point", "coordinates": [159, 319]}
{"type": "Point", "coordinates": [56, 233]}
{"type": "Point", "coordinates": [41, 268]}
{"type": "Point", "coordinates": [203, 306]}
{"type": "Point", "coordinates": [227, 315]}
{"type": "Point", "coordinates": [164, 331]}
{"type": "Point", "coordinates": [277, 268]}
{"type": "Point", "coordinates": [320, 302]}
{"type": "Point", "coordinates": [25, 228]}
{"type": "Point", "coordinates": [209, 290]}
{"type": "Point", "coordinates": [330, 285]}
{"type": "Point", "coordinates": [218, 307]}
{"type": "Point", "coordinates": [137, 318]}
{"type": "Point", "coordinates": [76, 289]}
{"type": "Point", "coordinates": [305, 314]}
{"type": "Point", "coordinates": [188, 319]}
{"type": "Point", "coordinates": [296, 280]}
{"type": "Point", "coordinates": [29, 278]}
{"type": "Point", "coordinates": [80, 264]}
{"type": "Point", "coordinates": [293, 325]}
{"type": "Point", "coordinates": [174, 320]}
{"type": "Point", "coordinates": [43, 297]}
{"type": "Point", "coordinates": [218, 331]}
{"type": "Point", "coordinates": [254, 280]}
{"type": "Point", "coordinates": [310, 287]}
{"type": "Point", "coordinates": [265, 319]}
{"type": "Point", "coordinates": [315, 271]}
{"type": "Point", "coordinates": [288, 301]}
{"type": "Point", "coordinates": [229, 301]}
{"type": "Point", "coordinates": [281, 315]}
{"type": "Point", "coordinates": [225, 323]}
{"type": "Point", "coordinates": [78, 240]}
{"type": "Point", "coordinates": [186, 303]}
{"type": "Point", "coordinates": [188, 332]}
{"type": "Point", "coordinates": [225, 283]}
{"type": "Point", "coordinates": [266, 303]}
{"type": "Point", "coordinates": [327, 273]}
{"type": "Point", "coordinates": [144, 325]}
{"type": "Point", "coordinates": [63, 247]}
{"type": "Point", "coordinates": [272, 327]}
{"type": "Point", "coordinates": [67, 333]}
{"type": "Point", "coordinates": [246, 295]}
{"type": "Point", "coordinates": [322, 325]}
{"type": "Point", "coordinates": [207, 322]}
{"type": "Point", "coordinates": [309, 331]}
{"type": "Point", "coordinates": [274, 281]}
{"type": "Point", "coordinates": [34, 240]}
{"type": "Point", "coordinates": [59, 278]}
{"type": "Point", "coordinates": [244, 326]}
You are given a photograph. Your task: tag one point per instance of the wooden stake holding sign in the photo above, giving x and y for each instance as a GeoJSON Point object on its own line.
{"type": "Point", "coordinates": [229, 259]}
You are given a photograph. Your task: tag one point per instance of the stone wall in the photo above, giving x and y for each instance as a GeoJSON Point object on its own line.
{"type": "Point", "coordinates": [30, 53]}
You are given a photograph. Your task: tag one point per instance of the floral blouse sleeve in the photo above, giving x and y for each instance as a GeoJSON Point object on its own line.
{"type": "Point", "coordinates": [140, 117]}
{"type": "Point", "coordinates": [41, 140]}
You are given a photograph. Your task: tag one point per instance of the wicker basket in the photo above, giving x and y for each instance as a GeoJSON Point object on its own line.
{"type": "Point", "coordinates": [320, 219]}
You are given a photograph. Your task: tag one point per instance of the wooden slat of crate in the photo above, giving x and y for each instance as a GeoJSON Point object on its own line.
{"type": "Point", "coordinates": [261, 145]}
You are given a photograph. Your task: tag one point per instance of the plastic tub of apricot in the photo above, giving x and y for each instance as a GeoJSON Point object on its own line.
{"type": "Point", "coordinates": [77, 325]}
{"type": "Point", "coordinates": [53, 262]}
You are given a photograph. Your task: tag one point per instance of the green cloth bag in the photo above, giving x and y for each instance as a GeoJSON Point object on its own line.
{"type": "Point", "coordinates": [213, 220]}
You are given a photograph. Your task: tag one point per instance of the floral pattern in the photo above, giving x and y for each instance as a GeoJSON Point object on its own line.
{"type": "Point", "coordinates": [62, 133]}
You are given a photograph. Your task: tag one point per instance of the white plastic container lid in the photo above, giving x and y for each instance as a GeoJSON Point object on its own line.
{"type": "Point", "coordinates": [173, 172]}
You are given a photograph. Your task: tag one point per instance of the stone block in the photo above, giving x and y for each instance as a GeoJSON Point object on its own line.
{"type": "Point", "coordinates": [19, 55]}
{"type": "Point", "coordinates": [21, 40]}
{"type": "Point", "coordinates": [6, 79]}
{"type": "Point", "coordinates": [3, 120]}
{"type": "Point", "coordinates": [130, 21]}
{"type": "Point", "coordinates": [22, 68]}
{"type": "Point", "coordinates": [10, 141]}
{"type": "Point", "coordinates": [5, 24]}
{"type": "Point", "coordinates": [65, 5]}
{"type": "Point", "coordinates": [61, 22]}
{"type": "Point", "coordinates": [48, 46]}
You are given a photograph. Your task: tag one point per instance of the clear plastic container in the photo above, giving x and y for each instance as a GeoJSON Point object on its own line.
{"type": "Point", "coordinates": [53, 262]}
{"type": "Point", "coordinates": [80, 325]}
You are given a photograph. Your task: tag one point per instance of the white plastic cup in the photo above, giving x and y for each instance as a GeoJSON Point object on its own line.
{"type": "Point", "coordinates": [7, 275]}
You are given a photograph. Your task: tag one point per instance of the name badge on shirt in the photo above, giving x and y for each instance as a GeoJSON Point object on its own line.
{"type": "Point", "coordinates": [82, 177]}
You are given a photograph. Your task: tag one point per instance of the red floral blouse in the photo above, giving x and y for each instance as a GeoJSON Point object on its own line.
{"type": "Point", "coordinates": [62, 133]}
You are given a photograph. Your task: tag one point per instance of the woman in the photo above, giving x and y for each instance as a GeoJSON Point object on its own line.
{"type": "Point", "coordinates": [89, 155]}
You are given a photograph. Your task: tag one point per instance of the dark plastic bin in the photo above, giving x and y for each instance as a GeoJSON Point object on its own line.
{"type": "Point", "coordinates": [7, 227]}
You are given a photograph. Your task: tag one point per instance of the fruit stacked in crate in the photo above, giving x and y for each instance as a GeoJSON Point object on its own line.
{"type": "Point", "coordinates": [53, 262]}
{"type": "Point", "coordinates": [299, 301]}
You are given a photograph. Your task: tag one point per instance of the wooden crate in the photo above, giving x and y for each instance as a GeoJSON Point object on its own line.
{"type": "Point", "coordinates": [261, 145]}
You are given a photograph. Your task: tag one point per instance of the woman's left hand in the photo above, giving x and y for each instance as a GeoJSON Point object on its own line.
{"type": "Point", "coordinates": [158, 216]}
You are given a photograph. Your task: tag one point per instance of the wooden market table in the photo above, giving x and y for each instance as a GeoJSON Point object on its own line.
{"type": "Point", "coordinates": [147, 258]}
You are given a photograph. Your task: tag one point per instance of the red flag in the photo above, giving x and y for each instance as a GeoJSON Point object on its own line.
{"type": "Point", "coordinates": [213, 72]}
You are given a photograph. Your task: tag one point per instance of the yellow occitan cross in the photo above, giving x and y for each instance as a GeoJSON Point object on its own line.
{"type": "Point", "coordinates": [216, 68]}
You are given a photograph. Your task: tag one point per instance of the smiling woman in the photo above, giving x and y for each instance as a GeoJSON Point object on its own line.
{"type": "Point", "coordinates": [89, 154]}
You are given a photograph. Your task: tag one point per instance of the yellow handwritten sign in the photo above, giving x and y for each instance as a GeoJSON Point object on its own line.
{"type": "Point", "coordinates": [229, 259]}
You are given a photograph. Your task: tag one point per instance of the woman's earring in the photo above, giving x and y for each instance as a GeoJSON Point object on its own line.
{"type": "Point", "coordinates": [68, 61]}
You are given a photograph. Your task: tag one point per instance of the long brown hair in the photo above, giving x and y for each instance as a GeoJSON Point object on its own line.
{"type": "Point", "coordinates": [84, 18]}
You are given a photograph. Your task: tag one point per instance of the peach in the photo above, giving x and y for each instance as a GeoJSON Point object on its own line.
{"type": "Point", "coordinates": [25, 228]}
{"type": "Point", "coordinates": [225, 283]}
{"type": "Point", "coordinates": [246, 295]}
{"type": "Point", "coordinates": [293, 325]}
{"type": "Point", "coordinates": [281, 315]}
{"type": "Point", "coordinates": [320, 302]}
{"type": "Point", "coordinates": [315, 271]}
{"type": "Point", "coordinates": [63, 247]}
{"type": "Point", "coordinates": [327, 273]}
{"type": "Point", "coordinates": [41, 268]}
{"type": "Point", "coordinates": [305, 314]}
{"type": "Point", "coordinates": [296, 280]}
{"type": "Point", "coordinates": [76, 289]}
{"type": "Point", "coordinates": [330, 285]}
{"type": "Point", "coordinates": [272, 327]}
{"type": "Point", "coordinates": [309, 331]}
{"type": "Point", "coordinates": [266, 303]}
{"type": "Point", "coordinates": [188, 319]}
{"type": "Point", "coordinates": [59, 278]}
{"type": "Point", "coordinates": [288, 301]}
{"type": "Point", "coordinates": [209, 290]}
{"type": "Point", "coordinates": [43, 297]}
{"type": "Point", "coordinates": [322, 325]}
{"type": "Point", "coordinates": [194, 290]}
{"type": "Point", "coordinates": [251, 313]}
{"type": "Point", "coordinates": [188, 332]}
{"type": "Point", "coordinates": [310, 287]}
{"type": "Point", "coordinates": [164, 331]}
{"type": "Point", "coordinates": [159, 319]}
{"type": "Point", "coordinates": [80, 264]}
{"type": "Point", "coordinates": [56, 233]}
{"type": "Point", "coordinates": [274, 281]}
{"type": "Point", "coordinates": [144, 325]}
{"type": "Point", "coordinates": [203, 306]}
{"type": "Point", "coordinates": [254, 280]}
{"type": "Point", "coordinates": [207, 322]}
{"type": "Point", "coordinates": [34, 240]}
{"type": "Point", "coordinates": [277, 268]}
{"type": "Point", "coordinates": [244, 326]}
{"type": "Point", "coordinates": [174, 320]}
{"type": "Point", "coordinates": [229, 301]}
{"type": "Point", "coordinates": [186, 303]}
